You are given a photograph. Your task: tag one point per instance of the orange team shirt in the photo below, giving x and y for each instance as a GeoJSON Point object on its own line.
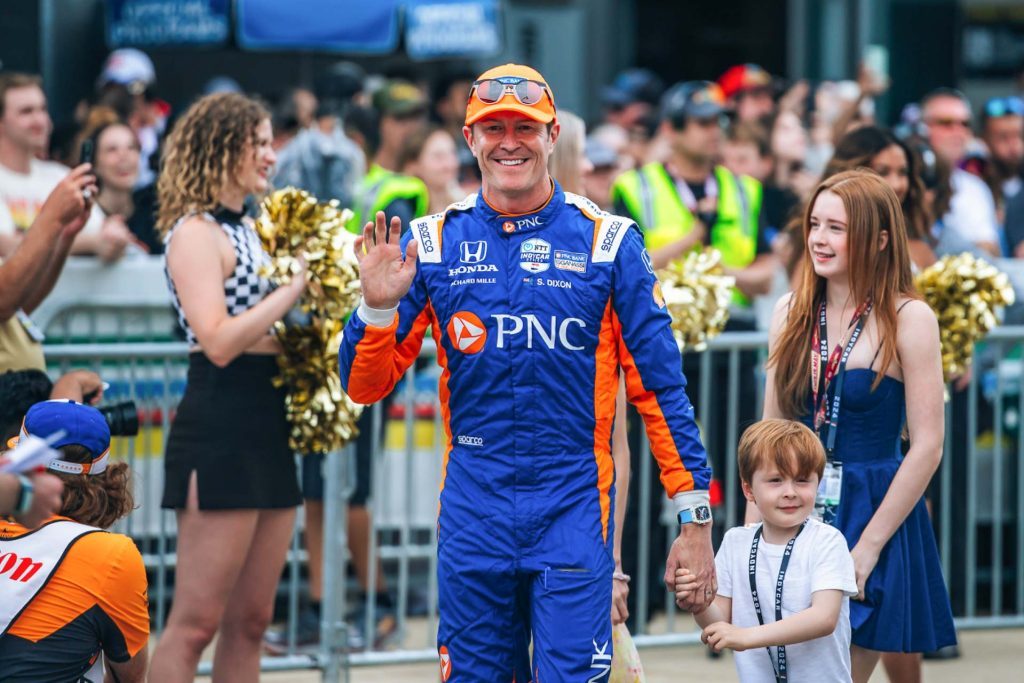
{"type": "Point", "coordinates": [96, 599]}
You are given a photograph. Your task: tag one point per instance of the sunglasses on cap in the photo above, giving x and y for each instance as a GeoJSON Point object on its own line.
{"type": "Point", "coordinates": [1004, 106]}
{"type": "Point", "coordinates": [491, 90]}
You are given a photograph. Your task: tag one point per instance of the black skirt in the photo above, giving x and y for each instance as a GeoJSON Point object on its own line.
{"type": "Point", "coordinates": [231, 430]}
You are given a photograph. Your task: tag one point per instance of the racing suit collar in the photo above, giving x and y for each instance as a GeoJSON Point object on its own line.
{"type": "Point", "coordinates": [509, 224]}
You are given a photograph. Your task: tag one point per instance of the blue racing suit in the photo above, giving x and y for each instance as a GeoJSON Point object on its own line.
{"type": "Point", "coordinates": [533, 316]}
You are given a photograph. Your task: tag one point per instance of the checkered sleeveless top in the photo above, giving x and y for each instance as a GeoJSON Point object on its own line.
{"type": "Point", "coordinates": [244, 287]}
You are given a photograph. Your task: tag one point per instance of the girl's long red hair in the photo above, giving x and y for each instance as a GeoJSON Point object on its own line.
{"type": "Point", "coordinates": [881, 273]}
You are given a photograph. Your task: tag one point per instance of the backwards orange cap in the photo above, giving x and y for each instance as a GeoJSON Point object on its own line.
{"type": "Point", "coordinates": [543, 111]}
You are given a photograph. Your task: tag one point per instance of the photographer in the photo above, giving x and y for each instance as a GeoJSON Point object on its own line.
{"type": "Point", "coordinates": [32, 498]}
{"type": "Point", "coordinates": [82, 590]}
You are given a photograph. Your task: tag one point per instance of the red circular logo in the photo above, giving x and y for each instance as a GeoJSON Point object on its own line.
{"type": "Point", "coordinates": [508, 226]}
{"type": "Point", "coordinates": [467, 332]}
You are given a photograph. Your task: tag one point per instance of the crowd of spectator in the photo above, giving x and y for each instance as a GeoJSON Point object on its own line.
{"type": "Point", "coordinates": [728, 163]}
{"type": "Point", "coordinates": [377, 143]}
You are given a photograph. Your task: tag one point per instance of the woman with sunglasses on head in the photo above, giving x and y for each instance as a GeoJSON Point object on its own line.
{"type": "Point", "coordinates": [229, 473]}
{"type": "Point", "coordinates": [873, 344]}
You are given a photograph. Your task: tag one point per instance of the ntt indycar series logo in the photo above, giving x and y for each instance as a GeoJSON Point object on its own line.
{"type": "Point", "coordinates": [535, 255]}
{"type": "Point", "coordinates": [468, 333]}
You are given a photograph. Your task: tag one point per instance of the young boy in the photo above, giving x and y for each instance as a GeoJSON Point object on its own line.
{"type": "Point", "coordinates": [793, 621]}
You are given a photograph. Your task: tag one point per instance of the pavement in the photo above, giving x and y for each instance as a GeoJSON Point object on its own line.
{"type": "Point", "coordinates": [988, 656]}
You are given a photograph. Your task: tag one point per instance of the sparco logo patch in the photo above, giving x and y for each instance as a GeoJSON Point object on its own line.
{"type": "Point", "coordinates": [470, 440]}
{"type": "Point", "coordinates": [467, 332]}
{"type": "Point", "coordinates": [609, 237]}
{"type": "Point", "coordinates": [426, 241]}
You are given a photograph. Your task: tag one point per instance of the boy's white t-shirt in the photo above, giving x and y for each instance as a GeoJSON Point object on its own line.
{"type": "Point", "coordinates": [820, 561]}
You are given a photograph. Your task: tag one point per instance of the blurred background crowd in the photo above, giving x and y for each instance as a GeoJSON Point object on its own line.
{"type": "Point", "coordinates": [387, 133]}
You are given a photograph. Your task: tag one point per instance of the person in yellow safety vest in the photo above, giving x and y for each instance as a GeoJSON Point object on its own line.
{"type": "Point", "coordinates": [689, 201]}
{"type": "Point", "coordinates": [683, 204]}
{"type": "Point", "coordinates": [402, 108]}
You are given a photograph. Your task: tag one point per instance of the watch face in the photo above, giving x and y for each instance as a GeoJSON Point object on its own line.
{"type": "Point", "coordinates": [702, 514]}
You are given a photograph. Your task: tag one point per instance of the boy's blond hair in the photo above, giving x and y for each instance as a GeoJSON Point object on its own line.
{"type": "Point", "coordinates": [789, 445]}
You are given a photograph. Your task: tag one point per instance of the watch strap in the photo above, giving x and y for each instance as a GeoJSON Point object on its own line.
{"type": "Point", "coordinates": [25, 495]}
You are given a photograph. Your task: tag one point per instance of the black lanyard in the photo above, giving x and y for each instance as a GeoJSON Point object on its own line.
{"type": "Point", "coordinates": [831, 425]}
{"type": "Point", "coordinates": [780, 671]}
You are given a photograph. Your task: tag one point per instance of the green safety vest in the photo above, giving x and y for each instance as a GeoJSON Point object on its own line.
{"type": "Point", "coordinates": [379, 188]}
{"type": "Point", "coordinates": [650, 195]}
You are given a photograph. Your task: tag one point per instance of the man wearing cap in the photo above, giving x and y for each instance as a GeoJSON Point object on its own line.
{"type": "Point", "coordinates": [131, 71]}
{"type": "Point", "coordinates": [535, 298]}
{"type": "Point", "coordinates": [631, 97]}
{"type": "Point", "coordinates": [748, 92]}
{"type": "Point", "coordinates": [73, 596]}
{"type": "Point", "coordinates": [402, 109]}
{"type": "Point", "coordinates": [689, 201]}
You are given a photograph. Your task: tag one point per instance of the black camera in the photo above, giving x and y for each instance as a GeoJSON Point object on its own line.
{"type": "Point", "coordinates": [122, 418]}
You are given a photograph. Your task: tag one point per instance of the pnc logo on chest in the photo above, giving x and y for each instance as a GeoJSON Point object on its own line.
{"type": "Point", "coordinates": [511, 226]}
{"type": "Point", "coordinates": [467, 332]}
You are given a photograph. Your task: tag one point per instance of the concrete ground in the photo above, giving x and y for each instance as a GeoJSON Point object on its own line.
{"type": "Point", "coordinates": [992, 656]}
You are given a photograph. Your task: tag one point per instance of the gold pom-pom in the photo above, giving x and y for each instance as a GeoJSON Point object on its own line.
{"type": "Point", "coordinates": [292, 223]}
{"type": "Point", "coordinates": [965, 293]}
{"type": "Point", "coordinates": [697, 294]}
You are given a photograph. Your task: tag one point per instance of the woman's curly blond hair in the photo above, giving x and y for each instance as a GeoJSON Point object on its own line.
{"type": "Point", "coordinates": [203, 152]}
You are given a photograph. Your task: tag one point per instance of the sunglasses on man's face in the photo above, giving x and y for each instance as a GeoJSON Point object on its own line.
{"type": "Point", "coordinates": [491, 90]}
{"type": "Point", "coordinates": [949, 123]}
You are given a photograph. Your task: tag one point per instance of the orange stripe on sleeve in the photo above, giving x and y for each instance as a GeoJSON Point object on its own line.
{"type": "Point", "coordinates": [674, 475]}
{"type": "Point", "coordinates": [444, 397]}
{"type": "Point", "coordinates": [606, 385]}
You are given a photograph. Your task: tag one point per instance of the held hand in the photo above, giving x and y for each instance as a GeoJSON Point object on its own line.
{"type": "Point", "coordinates": [721, 635]}
{"type": "Point", "coordinates": [46, 500]}
{"type": "Point", "coordinates": [692, 550]}
{"type": "Point", "coordinates": [686, 586]}
{"type": "Point", "coordinates": [864, 561]}
{"type": "Point", "coordinates": [620, 591]}
{"type": "Point", "coordinates": [384, 274]}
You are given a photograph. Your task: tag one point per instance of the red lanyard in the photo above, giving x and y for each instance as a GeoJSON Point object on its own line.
{"type": "Point", "coordinates": [825, 366]}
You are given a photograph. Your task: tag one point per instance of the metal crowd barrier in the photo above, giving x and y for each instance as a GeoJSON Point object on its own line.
{"type": "Point", "coordinates": [977, 496]}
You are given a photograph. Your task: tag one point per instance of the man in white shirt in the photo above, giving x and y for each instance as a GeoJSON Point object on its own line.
{"type": "Point", "coordinates": [25, 181]}
{"type": "Point", "coordinates": [972, 213]}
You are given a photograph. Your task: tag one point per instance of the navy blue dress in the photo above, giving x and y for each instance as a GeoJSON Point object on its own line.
{"type": "Point", "coordinates": [906, 606]}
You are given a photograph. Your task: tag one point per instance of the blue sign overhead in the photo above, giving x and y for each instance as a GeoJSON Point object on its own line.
{"type": "Point", "coordinates": [452, 28]}
{"type": "Point", "coordinates": [142, 23]}
{"type": "Point", "coordinates": [367, 26]}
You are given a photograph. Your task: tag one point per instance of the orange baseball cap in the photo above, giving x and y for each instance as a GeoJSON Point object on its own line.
{"type": "Point", "coordinates": [511, 74]}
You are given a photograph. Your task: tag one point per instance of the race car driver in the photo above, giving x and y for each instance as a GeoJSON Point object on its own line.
{"type": "Point", "coordinates": [535, 298]}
